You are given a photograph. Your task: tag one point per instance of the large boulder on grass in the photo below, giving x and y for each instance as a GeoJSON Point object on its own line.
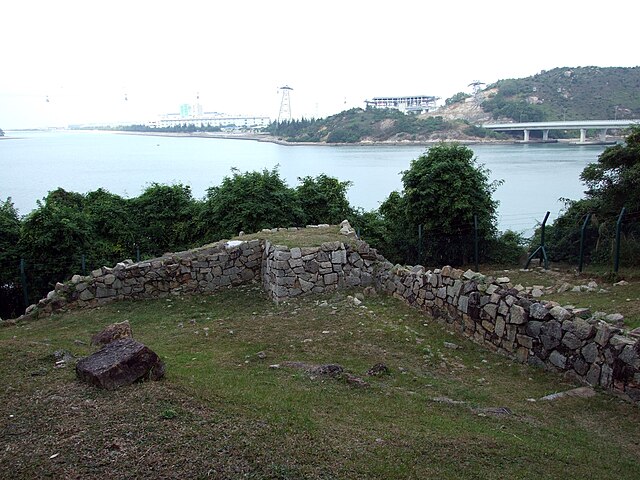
{"type": "Point", "coordinates": [120, 363]}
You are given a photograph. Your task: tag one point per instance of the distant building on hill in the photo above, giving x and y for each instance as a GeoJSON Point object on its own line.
{"type": "Point", "coordinates": [415, 103]}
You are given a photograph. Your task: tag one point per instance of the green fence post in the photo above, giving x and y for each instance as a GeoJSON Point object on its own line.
{"type": "Point", "coordinates": [420, 244]}
{"type": "Point", "coordinates": [23, 280]}
{"type": "Point", "coordinates": [84, 265]}
{"type": "Point", "coordinates": [584, 227]}
{"type": "Point", "coordinates": [616, 258]}
{"type": "Point", "coordinates": [475, 240]}
{"type": "Point", "coordinates": [541, 249]}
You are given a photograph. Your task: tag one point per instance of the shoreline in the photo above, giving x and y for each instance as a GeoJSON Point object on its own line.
{"type": "Point", "coordinates": [278, 141]}
{"type": "Point", "coordinates": [406, 143]}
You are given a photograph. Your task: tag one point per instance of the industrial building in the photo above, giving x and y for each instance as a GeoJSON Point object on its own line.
{"type": "Point", "coordinates": [415, 103]}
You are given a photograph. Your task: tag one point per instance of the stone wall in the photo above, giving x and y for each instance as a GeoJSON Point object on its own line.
{"type": "Point", "coordinates": [289, 272]}
{"type": "Point", "coordinates": [483, 309]}
{"type": "Point", "coordinates": [544, 334]}
{"type": "Point", "coordinates": [201, 270]}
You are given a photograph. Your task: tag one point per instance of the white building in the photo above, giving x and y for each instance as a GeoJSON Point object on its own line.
{"type": "Point", "coordinates": [194, 115]}
{"type": "Point", "coordinates": [212, 119]}
{"type": "Point", "coordinates": [415, 103]}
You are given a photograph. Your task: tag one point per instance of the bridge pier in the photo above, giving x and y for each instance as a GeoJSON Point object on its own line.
{"type": "Point", "coordinates": [583, 135]}
{"type": "Point", "coordinates": [603, 135]}
{"type": "Point", "coordinates": [526, 135]}
{"type": "Point", "coordinates": [545, 135]}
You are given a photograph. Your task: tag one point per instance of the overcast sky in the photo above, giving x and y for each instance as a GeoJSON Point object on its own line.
{"type": "Point", "coordinates": [86, 56]}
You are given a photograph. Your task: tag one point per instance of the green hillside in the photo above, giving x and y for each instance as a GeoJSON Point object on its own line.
{"type": "Point", "coordinates": [358, 125]}
{"type": "Point", "coordinates": [582, 93]}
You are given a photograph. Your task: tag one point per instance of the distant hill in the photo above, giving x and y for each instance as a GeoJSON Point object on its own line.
{"type": "Point", "coordinates": [581, 93]}
{"type": "Point", "coordinates": [376, 125]}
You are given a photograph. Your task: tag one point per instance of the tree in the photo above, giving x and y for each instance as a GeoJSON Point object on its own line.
{"type": "Point", "coordinates": [248, 202]}
{"type": "Point", "coordinates": [53, 238]}
{"type": "Point", "coordinates": [323, 199]}
{"type": "Point", "coordinates": [165, 216]}
{"type": "Point", "coordinates": [458, 97]}
{"type": "Point", "coordinates": [1, 133]}
{"type": "Point", "coordinates": [443, 190]}
{"type": "Point", "coordinates": [10, 299]}
{"type": "Point", "coordinates": [113, 225]}
{"type": "Point", "coordinates": [612, 182]}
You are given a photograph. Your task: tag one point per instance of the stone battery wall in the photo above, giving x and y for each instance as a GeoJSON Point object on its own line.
{"type": "Point", "coordinates": [483, 309]}
{"type": "Point", "coordinates": [539, 333]}
{"type": "Point", "coordinates": [289, 272]}
{"type": "Point", "coordinates": [195, 271]}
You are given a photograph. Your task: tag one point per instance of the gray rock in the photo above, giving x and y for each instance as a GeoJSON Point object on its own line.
{"type": "Point", "coordinates": [120, 363]}
{"type": "Point", "coordinates": [593, 375]}
{"type": "Point", "coordinates": [533, 328]}
{"type": "Point", "coordinates": [630, 356]}
{"type": "Point", "coordinates": [557, 359]}
{"type": "Point", "coordinates": [571, 341]}
{"type": "Point", "coordinates": [536, 293]}
{"type": "Point", "coordinates": [614, 318]}
{"type": "Point", "coordinates": [560, 313]}
{"type": "Point", "coordinates": [517, 315]}
{"type": "Point", "coordinates": [579, 327]}
{"type": "Point", "coordinates": [590, 352]}
{"type": "Point", "coordinates": [552, 329]}
{"type": "Point", "coordinates": [606, 376]}
{"type": "Point", "coordinates": [538, 311]}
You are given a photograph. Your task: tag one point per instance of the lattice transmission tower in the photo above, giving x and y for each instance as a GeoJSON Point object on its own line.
{"type": "Point", "coordinates": [476, 85]}
{"type": "Point", "coordinates": [285, 104]}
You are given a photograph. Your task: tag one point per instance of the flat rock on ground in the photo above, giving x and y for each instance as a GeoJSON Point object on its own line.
{"type": "Point", "coordinates": [120, 363]}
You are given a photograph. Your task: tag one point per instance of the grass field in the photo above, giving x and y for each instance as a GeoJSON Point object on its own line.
{"type": "Point", "coordinates": [222, 412]}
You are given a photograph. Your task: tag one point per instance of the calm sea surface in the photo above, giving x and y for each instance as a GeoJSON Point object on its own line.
{"type": "Point", "coordinates": [535, 176]}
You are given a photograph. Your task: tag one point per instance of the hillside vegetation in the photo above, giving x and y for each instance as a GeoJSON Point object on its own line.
{"type": "Point", "coordinates": [582, 93]}
{"type": "Point", "coordinates": [376, 125]}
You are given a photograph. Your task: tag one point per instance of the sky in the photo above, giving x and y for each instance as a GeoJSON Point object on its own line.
{"type": "Point", "coordinates": [130, 61]}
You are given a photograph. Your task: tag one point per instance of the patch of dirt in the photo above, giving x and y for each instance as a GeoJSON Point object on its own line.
{"type": "Point", "coordinates": [82, 432]}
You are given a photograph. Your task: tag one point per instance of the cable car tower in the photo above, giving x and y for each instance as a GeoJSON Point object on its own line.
{"type": "Point", "coordinates": [285, 104]}
{"type": "Point", "coordinates": [476, 85]}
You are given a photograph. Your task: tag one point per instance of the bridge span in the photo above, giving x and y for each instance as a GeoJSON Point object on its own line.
{"type": "Point", "coordinates": [582, 125]}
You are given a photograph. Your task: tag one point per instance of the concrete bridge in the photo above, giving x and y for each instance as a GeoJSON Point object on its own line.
{"type": "Point", "coordinates": [582, 125]}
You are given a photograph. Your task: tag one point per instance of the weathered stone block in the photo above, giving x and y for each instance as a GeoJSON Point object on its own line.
{"type": "Point", "coordinates": [115, 331]}
{"type": "Point", "coordinates": [102, 292]}
{"type": "Point", "coordinates": [525, 341]}
{"type": "Point", "coordinates": [579, 327]}
{"type": "Point", "coordinates": [606, 376]}
{"type": "Point", "coordinates": [571, 341]}
{"type": "Point", "coordinates": [603, 334]}
{"type": "Point", "coordinates": [590, 352]}
{"type": "Point", "coordinates": [491, 310]}
{"type": "Point", "coordinates": [517, 315]}
{"type": "Point", "coordinates": [330, 278]}
{"type": "Point", "coordinates": [500, 326]}
{"type": "Point", "coordinates": [120, 363]}
{"type": "Point", "coordinates": [538, 311]}
{"type": "Point", "coordinates": [630, 356]}
{"type": "Point", "coordinates": [560, 314]}
{"type": "Point", "coordinates": [557, 359]}
{"type": "Point", "coordinates": [533, 328]}
{"type": "Point", "coordinates": [339, 257]}
{"type": "Point", "coordinates": [593, 375]}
